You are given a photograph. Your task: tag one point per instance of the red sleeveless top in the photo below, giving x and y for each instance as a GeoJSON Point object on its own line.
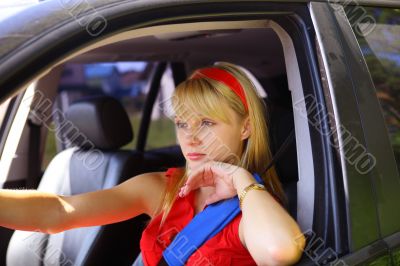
{"type": "Point", "coordinates": [224, 248]}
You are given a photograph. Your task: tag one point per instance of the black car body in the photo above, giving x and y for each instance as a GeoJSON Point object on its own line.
{"type": "Point", "coordinates": [329, 69]}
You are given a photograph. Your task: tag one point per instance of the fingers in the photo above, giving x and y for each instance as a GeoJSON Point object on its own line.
{"type": "Point", "coordinates": [210, 173]}
{"type": "Point", "coordinates": [198, 177]}
{"type": "Point", "coordinates": [182, 191]}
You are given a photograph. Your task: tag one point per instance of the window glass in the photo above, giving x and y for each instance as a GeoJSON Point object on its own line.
{"type": "Point", "coordinates": [4, 109]}
{"type": "Point", "coordinates": [125, 81]}
{"type": "Point", "coordinates": [162, 128]}
{"type": "Point", "coordinates": [378, 33]}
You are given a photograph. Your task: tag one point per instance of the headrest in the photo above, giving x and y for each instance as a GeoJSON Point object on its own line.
{"type": "Point", "coordinates": [100, 121]}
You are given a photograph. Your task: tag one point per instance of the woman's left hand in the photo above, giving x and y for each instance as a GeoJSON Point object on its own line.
{"type": "Point", "coordinates": [217, 174]}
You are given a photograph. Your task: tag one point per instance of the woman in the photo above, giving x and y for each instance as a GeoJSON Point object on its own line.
{"type": "Point", "coordinates": [222, 132]}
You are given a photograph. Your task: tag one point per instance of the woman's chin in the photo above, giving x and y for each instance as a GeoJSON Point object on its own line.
{"type": "Point", "coordinates": [196, 163]}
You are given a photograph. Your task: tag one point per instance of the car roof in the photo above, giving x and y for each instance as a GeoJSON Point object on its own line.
{"type": "Point", "coordinates": [39, 18]}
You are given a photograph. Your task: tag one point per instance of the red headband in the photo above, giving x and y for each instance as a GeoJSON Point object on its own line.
{"type": "Point", "coordinates": [225, 77]}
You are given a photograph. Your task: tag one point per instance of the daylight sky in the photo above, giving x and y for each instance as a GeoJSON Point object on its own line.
{"type": "Point", "coordinates": [9, 7]}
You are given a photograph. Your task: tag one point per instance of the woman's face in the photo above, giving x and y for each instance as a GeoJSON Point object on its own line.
{"type": "Point", "coordinates": [203, 139]}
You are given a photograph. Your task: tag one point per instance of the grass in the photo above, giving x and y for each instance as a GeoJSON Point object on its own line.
{"type": "Point", "coordinates": [161, 133]}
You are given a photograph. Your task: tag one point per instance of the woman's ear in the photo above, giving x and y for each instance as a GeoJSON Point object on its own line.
{"type": "Point", "coordinates": [246, 129]}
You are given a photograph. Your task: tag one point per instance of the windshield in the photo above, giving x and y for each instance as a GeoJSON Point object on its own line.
{"type": "Point", "coordinates": [11, 7]}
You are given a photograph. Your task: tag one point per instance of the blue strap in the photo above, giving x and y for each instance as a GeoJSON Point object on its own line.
{"type": "Point", "coordinates": [202, 227]}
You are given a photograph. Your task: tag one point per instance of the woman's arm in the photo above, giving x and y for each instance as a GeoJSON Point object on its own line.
{"type": "Point", "coordinates": [270, 234]}
{"type": "Point", "coordinates": [29, 210]}
{"type": "Point", "coordinates": [32, 210]}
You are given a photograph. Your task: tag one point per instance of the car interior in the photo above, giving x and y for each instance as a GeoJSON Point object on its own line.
{"type": "Point", "coordinates": [109, 150]}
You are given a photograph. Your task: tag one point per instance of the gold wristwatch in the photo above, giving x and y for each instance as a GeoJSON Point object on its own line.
{"type": "Point", "coordinates": [246, 189]}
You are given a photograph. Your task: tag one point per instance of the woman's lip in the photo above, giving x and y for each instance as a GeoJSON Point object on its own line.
{"type": "Point", "coordinates": [195, 156]}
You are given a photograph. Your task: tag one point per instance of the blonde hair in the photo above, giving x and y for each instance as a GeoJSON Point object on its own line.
{"type": "Point", "coordinates": [207, 96]}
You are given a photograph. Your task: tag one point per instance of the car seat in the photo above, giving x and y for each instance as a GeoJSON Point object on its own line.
{"type": "Point", "coordinates": [99, 128]}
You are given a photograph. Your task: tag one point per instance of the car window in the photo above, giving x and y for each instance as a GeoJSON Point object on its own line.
{"type": "Point", "coordinates": [125, 81]}
{"type": "Point", "coordinates": [162, 128]}
{"type": "Point", "coordinates": [6, 116]}
{"type": "Point", "coordinates": [3, 110]}
{"type": "Point", "coordinates": [379, 39]}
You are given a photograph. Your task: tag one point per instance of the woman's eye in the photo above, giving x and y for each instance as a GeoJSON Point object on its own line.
{"type": "Point", "coordinates": [207, 123]}
{"type": "Point", "coordinates": [203, 123]}
{"type": "Point", "coordinates": [181, 125]}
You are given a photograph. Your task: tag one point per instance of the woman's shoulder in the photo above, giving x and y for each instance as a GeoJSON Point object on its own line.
{"type": "Point", "coordinates": [174, 172]}
{"type": "Point", "coordinates": [157, 183]}
{"type": "Point", "coordinates": [162, 176]}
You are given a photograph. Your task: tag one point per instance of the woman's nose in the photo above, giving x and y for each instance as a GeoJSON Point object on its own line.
{"type": "Point", "coordinates": [192, 136]}
{"type": "Point", "coordinates": [195, 140]}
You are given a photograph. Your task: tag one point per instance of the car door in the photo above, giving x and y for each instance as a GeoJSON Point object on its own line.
{"type": "Point", "coordinates": [370, 172]}
{"type": "Point", "coordinates": [38, 41]}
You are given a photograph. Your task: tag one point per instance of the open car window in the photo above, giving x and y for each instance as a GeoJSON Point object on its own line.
{"type": "Point", "coordinates": [125, 81]}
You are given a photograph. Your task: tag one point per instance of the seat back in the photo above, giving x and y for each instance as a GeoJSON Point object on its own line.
{"type": "Point", "coordinates": [280, 125]}
{"type": "Point", "coordinates": [100, 128]}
